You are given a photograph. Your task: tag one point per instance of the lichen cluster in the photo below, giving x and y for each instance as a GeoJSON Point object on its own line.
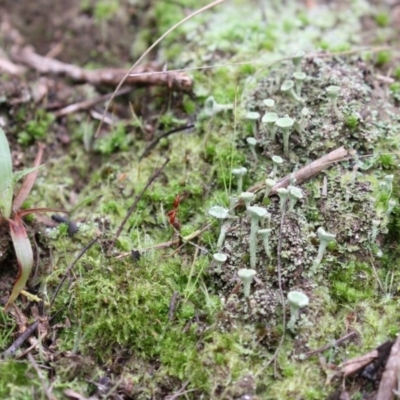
{"type": "Point", "coordinates": [361, 116]}
{"type": "Point", "coordinates": [347, 206]}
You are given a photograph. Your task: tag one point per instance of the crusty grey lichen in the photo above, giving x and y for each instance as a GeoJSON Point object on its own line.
{"type": "Point", "coordinates": [297, 255]}
{"type": "Point", "coordinates": [365, 114]}
{"type": "Point", "coordinates": [346, 210]}
{"type": "Point", "coordinates": [342, 199]}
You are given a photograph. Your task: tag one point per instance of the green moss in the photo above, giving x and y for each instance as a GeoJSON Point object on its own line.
{"type": "Point", "coordinates": [168, 121]}
{"type": "Point", "coordinates": [352, 283]}
{"type": "Point", "coordinates": [343, 292]}
{"type": "Point", "coordinates": [6, 337]}
{"type": "Point", "coordinates": [104, 10]}
{"type": "Point", "coordinates": [395, 87]}
{"type": "Point", "coordinates": [386, 161]}
{"type": "Point", "coordinates": [15, 381]}
{"type": "Point", "coordinates": [352, 122]}
{"type": "Point", "coordinates": [383, 58]}
{"type": "Point", "coordinates": [382, 19]}
{"type": "Point", "coordinates": [117, 140]}
{"type": "Point", "coordinates": [339, 48]}
{"type": "Point", "coordinates": [37, 129]}
{"type": "Point", "coordinates": [189, 106]}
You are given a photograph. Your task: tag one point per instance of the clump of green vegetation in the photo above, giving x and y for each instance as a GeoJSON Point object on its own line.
{"type": "Point", "coordinates": [37, 129]}
{"type": "Point", "coordinates": [352, 122]}
{"type": "Point", "coordinates": [387, 161]}
{"type": "Point", "coordinates": [117, 140]}
{"type": "Point", "coordinates": [395, 90]}
{"type": "Point", "coordinates": [14, 379]}
{"type": "Point", "coordinates": [383, 58]}
{"type": "Point", "coordinates": [382, 19]}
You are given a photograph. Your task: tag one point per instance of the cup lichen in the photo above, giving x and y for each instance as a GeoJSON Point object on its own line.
{"type": "Point", "coordinates": [239, 173]}
{"type": "Point", "coordinates": [324, 238]}
{"type": "Point", "coordinates": [223, 216]}
{"type": "Point", "coordinates": [219, 259]}
{"type": "Point", "coordinates": [256, 213]}
{"type": "Point", "coordinates": [296, 300]}
{"type": "Point", "coordinates": [211, 107]}
{"type": "Point", "coordinates": [285, 124]}
{"type": "Point", "coordinates": [265, 234]}
{"type": "Point", "coordinates": [246, 276]}
{"type": "Point", "coordinates": [269, 120]}
{"type": "Point", "coordinates": [288, 88]}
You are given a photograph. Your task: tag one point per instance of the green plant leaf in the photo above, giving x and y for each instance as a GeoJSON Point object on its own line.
{"type": "Point", "coordinates": [6, 177]}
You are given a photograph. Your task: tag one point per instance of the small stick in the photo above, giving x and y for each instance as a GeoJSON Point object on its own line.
{"type": "Point", "coordinates": [328, 346]}
{"type": "Point", "coordinates": [137, 199]}
{"type": "Point", "coordinates": [20, 340]}
{"type": "Point", "coordinates": [389, 380]}
{"type": "Point", "coordinates": [45, 387]}
{"type": "Point", "coordinates": [355, 364]}
{"type": "Point", "coordinates": [82, 252]}
{"type": "Point", "coordinates": [86, 104]}
{"type": "Point", "coordinates": [108, 76]}
{"type": "Point", "coordinates": [307, 172]}
{"type": "Point", "coordinates": [180, 392]}
{"type": "Point", "coordinates": [155, 141]}
{"type": "Point", "coordinates": [172, 306]}
{"type": "Point", "coordinates": [7, 67]}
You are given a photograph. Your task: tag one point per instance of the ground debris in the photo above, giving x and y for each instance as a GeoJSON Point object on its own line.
{"type": "Point", "coordinates": [150, 74]}
{"type": "Point", "coordinates": [379, 367]}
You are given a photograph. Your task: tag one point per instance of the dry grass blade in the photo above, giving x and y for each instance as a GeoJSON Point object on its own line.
{"type": "Point", "coordinates": [29, 181]}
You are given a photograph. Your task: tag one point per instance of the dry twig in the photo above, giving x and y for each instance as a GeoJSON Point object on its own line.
{"type": "Point", "coordinates": [328, 346]}
{"type": "Point", "coordinates": [350, 367]}
{"type": "Point", "coordinates": [137, 199]}
{"type": "Point", "coordinates": [82, 252]}
{"type": "Point", "coordinates": [8, 67]}
{"type": "Point", "coordinates": [180, 392]}
{"type": "Point", "coordinates": [377, 356]}
{"type": "Point", "coordinates": [86, 104]}
{"type": "Point", "coordinates": [170, 243]}
{"type": "Point", "coordinates": [20, 340]}
{"type": "Point", "coordinates": [46, 388]}
{"type": "Point", "coordinates": [308, 171]}
{"type": "Point", "coordinates": [108, 76]}
{"type": "Point", "coordinates": [155, 141]}
{"type": "Point", "coordinates": [389, 381]}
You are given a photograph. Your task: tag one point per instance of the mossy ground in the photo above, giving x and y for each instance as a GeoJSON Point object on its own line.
{"type": "Point", "coordinates": [147, 328]}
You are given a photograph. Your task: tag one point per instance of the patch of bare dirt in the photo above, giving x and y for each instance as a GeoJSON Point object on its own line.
{"type": "Point", "coordinates": [70, 32]}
